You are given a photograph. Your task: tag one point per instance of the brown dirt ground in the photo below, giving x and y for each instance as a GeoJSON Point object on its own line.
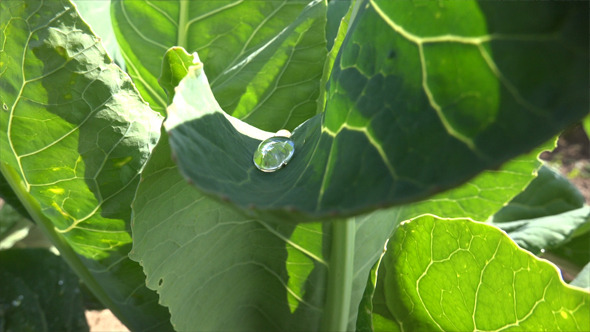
{"type": "Point", "coordinates": [104, 321]}
{"type": "Point", "coordinates": [572, 158]}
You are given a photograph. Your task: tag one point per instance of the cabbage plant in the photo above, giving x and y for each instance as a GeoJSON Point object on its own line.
{"type": "Point", "coordinates": [402, 190]}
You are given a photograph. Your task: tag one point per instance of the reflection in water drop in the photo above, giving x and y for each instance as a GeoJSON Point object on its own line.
{"type": "Point", "coordinates": [274, 153]}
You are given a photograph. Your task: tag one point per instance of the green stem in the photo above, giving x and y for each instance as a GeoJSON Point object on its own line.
{"type": "Point", "coordinates": [340, 275]}
{"type": "Point", "coordinates": [182, 24]}
{"type": "Point", "coordinates": [58, 240]}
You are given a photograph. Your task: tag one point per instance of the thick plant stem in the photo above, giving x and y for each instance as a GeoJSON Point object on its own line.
{"type": "Point", "coordinates": [65, 250]}
{"type": "Point", "coordinates": [337, 308]}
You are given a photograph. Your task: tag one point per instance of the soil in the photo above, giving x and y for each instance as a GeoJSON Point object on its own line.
{"type": "Point", "coordinates": [572, 158]}
{"type": "Point", "coordinates": [104, 321]}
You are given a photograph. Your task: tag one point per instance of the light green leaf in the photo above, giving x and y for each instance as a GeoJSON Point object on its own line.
{"type": "Point", "coordinates": [174, 68]}
{"type": "Point", "coordinates": [74, 135]}
{"type": "Point", "coordinates": [583, 278]}
{"type": "Point", "coordinates": [97, 15]}
{"type": "Point", "coordinates": [265, 58]}
{"type": "Point", "coordinates": [473, 277]}
{"type": "Point", "coordinates": [426, 103]}
{"type": "Point", "coordinates": [586, 124]}
{"type": "Point", "coordinates": [39, 293]}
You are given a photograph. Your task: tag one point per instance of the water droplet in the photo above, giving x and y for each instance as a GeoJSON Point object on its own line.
{"type": "Point", "coordinates": [274, 153]}
{"type": "Point", "coordinates": [16, 302]}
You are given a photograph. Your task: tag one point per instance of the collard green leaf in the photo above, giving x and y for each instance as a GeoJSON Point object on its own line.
{"type": "Point", "coordinates": [550, 193]}
{"type": "Point", "coordinates": [174, 68]}
{"type": "Point", "coordinates": [583, 278]}
{"type": "Point", "coordinates": [218, 270]}
{"type": "Point", "coordinates": [74, 135]}
{"type": "Point", "coordinates": [416, 103]}
{"type": "Point", "coordinates": [9, 197]}
{"type": "Point", "coordinates": [539, 234]}
{"type": "Point", "coordinates": [462, 275]}
{"type": "Point", "coordinates": [39, 293]}
{"type": "Point", "coordinates": [97, 15]}
{"type": "Point", "coordinates": [266, 60]}
{"type": "Point", "coordinates": [575, 252]}
{"type": "Point", "coordinates": [13, 226]}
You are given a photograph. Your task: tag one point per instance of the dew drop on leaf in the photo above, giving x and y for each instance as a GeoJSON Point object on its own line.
{"type": "Point", "coordinates": [273, 153]}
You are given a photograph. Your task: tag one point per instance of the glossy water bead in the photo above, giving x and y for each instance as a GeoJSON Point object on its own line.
{"type": "Point", "coordinates": [274, 153]}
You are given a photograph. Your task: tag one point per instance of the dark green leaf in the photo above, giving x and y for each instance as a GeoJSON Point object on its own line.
{"type": "Point", "coordinates": [8, 195]}
{"type": "Point", "coordinates": [539, 234]}
{"type": "Point", "coordinates": [550, 193]}
{"type": "Point", "coordinates": [420, 106]}
{"type": "Point", "coordinates": [74, 135]}
{"type": "Point", "coordinates": [576, 252]}
{"type": "Point", "coordinates": [461, 275]}
{"type": "Point", "coordinates": [13, 226]}
{"type": "Point", "coordinates": [39, 293]}
{"type": "Point", "coordinates": [20, 309]}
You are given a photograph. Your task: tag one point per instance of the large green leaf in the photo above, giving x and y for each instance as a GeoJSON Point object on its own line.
{"type": "Point", "coordinates": [416, 103]}
{"type": "Point", "coordinates": [458, 275]}
{"type": "Point", "coordinates": [39, 281]}
{"type": "Point", "coordinates": [306, 264]}
{"type": "Point", "coordinates": [261, 275]}
{"type": "Point", "coordinates": [218, 270]}
{"type": "Point", "coordinates": [266, 57]}
{"type": "Point", "coordinates": [74, 137]}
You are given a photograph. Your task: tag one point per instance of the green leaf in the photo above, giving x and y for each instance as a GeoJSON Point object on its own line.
{"type": "Point", "coordinates": [550, 193]}
{"type": "Point", "coordinates": [265, 60]}
{"type": "Point", "coordinates": [215, 260]}
{"type": "Point", "coordinates": [586, 125]}
{"type": "Point", "coordinates": [539, 234]}
{"type": "Point", "coordinates": [426, 103]}
{"type": "Point", "coordinates": [13, 226]}
{"type": "Point", "coordinates": [483, 195]}
{"type": "Point", "coordinates": [473, 277]}
{"type": "Point", "coordinates": [230, 261]}
{"type": "Point", "coordinates": [574, 252]}
{"type": "Point", "coordinates": [97, 15]}
{"type": "Point", "coordinates": [583, 278]}
{"type": "Point", "coordinates": [39, 292]}
{"type": "Point", "coordinates": [8, 195]}
{"type": "Point", "coordinates": [174, 68]}
{"type": "Point", "coordinates": [74, 135]}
